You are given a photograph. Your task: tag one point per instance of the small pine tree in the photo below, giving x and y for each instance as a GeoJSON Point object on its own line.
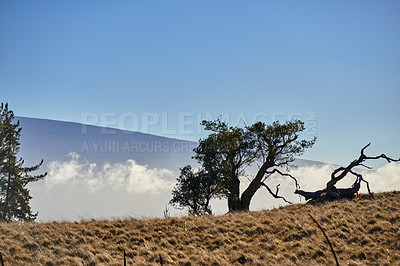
{"type": "Point", "coordinates": [14, 196]}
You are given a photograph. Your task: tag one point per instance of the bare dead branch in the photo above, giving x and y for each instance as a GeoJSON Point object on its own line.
{"type": "Point", "coordinates": [363, 149]}
{"type": "Point", "coordinates": [283, 174]}
{"type": "Point", "coordinates": [309, 195]}
{"type": "Point", "coordinates": [275, 195]}
{"type": "Point", "coordinates": [359, 178]}
{"type": "Point", "coordinates": [333, 193]}
{"type": "Point", "coordinates": [365, 166]}
{"type": "Point", "coordinates": [350, 171]}
{"type": "Point", "coordinates": [341, 172]}
{"type": "Point", "coordinates": [388, 159]}
{"type": "Point", "coordinates": [369, 191]}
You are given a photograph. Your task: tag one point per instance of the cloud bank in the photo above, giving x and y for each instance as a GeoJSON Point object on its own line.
{"type": "Point", "coordinates": [128, 176]}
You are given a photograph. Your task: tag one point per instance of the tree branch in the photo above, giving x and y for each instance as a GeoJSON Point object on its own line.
{"type": "Point", "coordinates": [310, 195]}
{"type": "Point", "coordinates": [363, 149]}
{"type": "Point", "coordinates": [388, 159]}
{"type": "Point", "coordinates": [275, 195]}
{"type": "Point", "coordinates": [359, 176]}
{"type": "Point", "coordinates": [279, 172]}
{"type": "Point", "coordinates": [357, 162]}
{"type": "Point", "coordinates": [365, 166]}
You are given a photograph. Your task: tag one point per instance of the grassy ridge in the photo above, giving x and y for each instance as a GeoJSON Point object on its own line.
{"type": "Point", "coordinates": [362, 231]}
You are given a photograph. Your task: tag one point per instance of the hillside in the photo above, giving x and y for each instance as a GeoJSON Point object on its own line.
{"type": "Point", "coordinates": [363, 231]}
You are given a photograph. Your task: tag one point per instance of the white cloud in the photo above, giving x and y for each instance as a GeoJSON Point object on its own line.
{"type": "Point", "coordinates": [385, 178]}
{"type": "Point", "coordinates": [128, 176]}
{"type": "Point", "coordinates": [312, 177]}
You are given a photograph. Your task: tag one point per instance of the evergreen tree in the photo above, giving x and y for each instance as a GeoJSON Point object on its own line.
{"type": "Point", "coordinates": [14, 177]}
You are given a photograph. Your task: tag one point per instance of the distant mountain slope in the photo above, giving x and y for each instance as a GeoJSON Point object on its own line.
{"type": "Point", "coordinates": [53, 140]}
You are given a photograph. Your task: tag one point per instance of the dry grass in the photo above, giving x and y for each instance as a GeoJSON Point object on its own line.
{"type": "Point", "coordinates": [362, 231]}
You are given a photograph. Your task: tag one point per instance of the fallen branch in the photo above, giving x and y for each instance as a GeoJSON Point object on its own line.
{"type": "Point", "coordinates": [335, 176]}
{"type": "Point", "coordinates": [333, 193]}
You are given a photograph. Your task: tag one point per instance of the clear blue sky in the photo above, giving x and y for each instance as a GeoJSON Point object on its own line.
{"type": "Point", "coordinates": [339, 60]}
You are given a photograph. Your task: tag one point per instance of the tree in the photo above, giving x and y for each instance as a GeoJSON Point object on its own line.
{"type": "Point", "coordinates": [194, 191]}
{"type": "Point", "coordinates": [228, 151]}
{"type": "Point", "coordinates": [275, 146]}
{"type": "Point", "coordinates": [333, 193]}
{"type": "Point", "coordinates": [14, 177]}
{"type": "Point", "coordinates": [225, 154]}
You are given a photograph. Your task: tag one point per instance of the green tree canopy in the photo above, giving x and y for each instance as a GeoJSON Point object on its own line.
{"type": "Point", "coordinates": [226, 153]}
{"type": "Point", "coordinates": [14, 177]}
{"type": "Point", "coordinates": [275, 146]}
{"type": "Point", "coordinates": [194, 190]}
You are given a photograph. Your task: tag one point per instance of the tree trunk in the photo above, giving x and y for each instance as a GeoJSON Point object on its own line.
{"type": "Point", "coordinates": [8, 192]}
{"type": "Point", "coordinates": [254, 186]}
{"type": "Point", "coordinates": [234, 197]}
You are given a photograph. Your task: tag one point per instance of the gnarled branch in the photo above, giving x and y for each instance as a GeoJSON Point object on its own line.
{"type": "Point", "coordinates": [310, 195]}
{"type": "Point", "coordinates": [331, 192]}
{"type": "Point", "coordinates": [283, 174]}
{"type": "Point", "coordinates": [275, 195]}
{"type": "Point", "coordinates": [335, 176]}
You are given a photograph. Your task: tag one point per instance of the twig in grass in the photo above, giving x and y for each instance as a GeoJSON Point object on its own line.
{"type": "Point", "coordinates": [1, 259]}
{"type": "Point", "coordinates": [166, 212]}
{"type": "Point", "coordinates": [329, 242]}
{"type": "Point", "coordinates": [124, 257]}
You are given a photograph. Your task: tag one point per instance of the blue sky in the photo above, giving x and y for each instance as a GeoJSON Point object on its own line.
{"type": "Point", "coordinates": [335, 64]}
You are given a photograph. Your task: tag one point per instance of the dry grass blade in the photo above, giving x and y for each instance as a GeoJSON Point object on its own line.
{"type": "Point", "coordinates": [327, 238]}
{"type": "Point", "coordinates": [1, 260]}
{"type": "Point", "coordinates": [124, 257]}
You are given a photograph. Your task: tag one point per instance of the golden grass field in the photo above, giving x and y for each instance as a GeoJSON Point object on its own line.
{"type": "Point", "coordinates": [363, 231]}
